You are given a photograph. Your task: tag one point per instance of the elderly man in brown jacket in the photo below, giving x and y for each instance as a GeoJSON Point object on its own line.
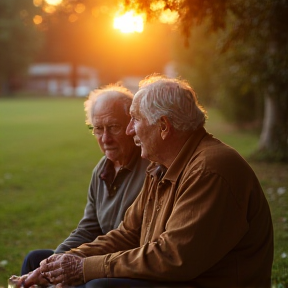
{"type": "Point", "coordinates": [201, 219]}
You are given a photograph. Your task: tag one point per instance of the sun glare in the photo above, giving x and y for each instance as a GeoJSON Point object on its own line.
{"type": "Point", "coordinates": [169, 17]}
{"type": "Point", "coordinates": [53, 2]}
{"type": "Point", "coordinates": [129, 22]}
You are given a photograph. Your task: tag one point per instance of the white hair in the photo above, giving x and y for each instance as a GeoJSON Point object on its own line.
{"type": "Point", "coordinates": [173, 98]}
{"type": "Point", "coordinates": [124, 95]}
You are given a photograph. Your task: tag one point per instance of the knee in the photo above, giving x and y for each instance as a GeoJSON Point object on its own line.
{"type": "Point", "coordinates": [39, 255]}
{"type": "Point", "coordinates": [33, 259]}
{"type": "Point", "coordinates": [31, 254]}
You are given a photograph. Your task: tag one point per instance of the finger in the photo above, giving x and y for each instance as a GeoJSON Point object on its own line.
{"type": "Point", "coordinates": [58, 280]}
{"type": "Point", "coordinates": [47, 276]}
{"type": "Point", "coordinates": [54, 273]}
{"type": "Point", "coordinates": [29, 282]}
{"type": "Point", "coordinates": [42, 281]}
{"type": "Point", "coordinates": [15, 281]}
{"type": "Point", "coordinates": [32, 278]}
{"type": "Point", "coordinates": [48, 267]}
{"type": "Point", "coordinates": [52, 258]}
{"type": "Point", "coordinates": [43, 262]}
{"type": "Point", "coordinates": [24, 277]}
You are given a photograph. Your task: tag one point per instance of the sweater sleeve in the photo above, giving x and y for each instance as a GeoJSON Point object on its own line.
{"type": "Point", "coordinates": [88, 228]}
{"type": "Point", "coordinates": [125, 237]}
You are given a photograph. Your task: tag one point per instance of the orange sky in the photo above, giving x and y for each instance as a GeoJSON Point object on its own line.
{"type": "Point", "coordinates": [93, 41]}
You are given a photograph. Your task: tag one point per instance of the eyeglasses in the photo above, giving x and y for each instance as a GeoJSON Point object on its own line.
{"type": "Point", "coordinates": [113, 129]}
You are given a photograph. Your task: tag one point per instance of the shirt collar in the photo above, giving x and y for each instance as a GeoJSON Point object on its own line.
{"type": "Point", "coordinates": [108, 171]}
{"type": "Point", "coordinates": [156, 170]}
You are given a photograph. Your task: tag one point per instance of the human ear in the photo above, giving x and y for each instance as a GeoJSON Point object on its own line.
{"type": "Point", "coordinates": [165, 127]}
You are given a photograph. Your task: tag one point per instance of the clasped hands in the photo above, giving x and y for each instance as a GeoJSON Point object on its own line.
{"type": "Point", "coordinates": [61, 270]}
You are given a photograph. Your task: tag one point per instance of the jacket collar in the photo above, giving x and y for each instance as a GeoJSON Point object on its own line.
{"type": "Point", "coordinates": [185, 155]}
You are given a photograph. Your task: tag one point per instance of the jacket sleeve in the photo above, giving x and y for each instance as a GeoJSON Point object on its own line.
{"type": "Point", "coordinates": [204, 216]}
{"type": "Point", "coordinates": [88, 228]}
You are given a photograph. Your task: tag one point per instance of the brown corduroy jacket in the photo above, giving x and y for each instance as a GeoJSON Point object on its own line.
{"type": "Point", "coordinates": [206, 223]}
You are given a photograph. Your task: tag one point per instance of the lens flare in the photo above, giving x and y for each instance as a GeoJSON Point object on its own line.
{"type": "Point", "coordinates": [37, 19]}
{"type": "Point", "coordinates": [129, 22]}
{"type": "Point", "coordinates": [169, 17]}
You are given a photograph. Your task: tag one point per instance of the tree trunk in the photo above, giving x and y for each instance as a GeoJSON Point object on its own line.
{"type": "Point", "coordinates": [273, 143]}
{"type": "Point", "coordinates": [269, 122]}
{"type": "Point", "coordinates": [74, 77]}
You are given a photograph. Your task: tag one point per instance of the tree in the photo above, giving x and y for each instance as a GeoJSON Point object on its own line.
{"type": "Point", "coordinates": [221, 79]}
{"type": "Point", "coordinates": [260, 26]}
{"type": "Point", "coordinates": [261, 30]}
{"type": "Point", "coordinates": [19, 40]}
{"type": "Point", "coordinates": [87, 37]}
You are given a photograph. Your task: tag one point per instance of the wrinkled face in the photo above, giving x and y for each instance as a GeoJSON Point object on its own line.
{"type": "Point", "coordinates": [145, 135]}
{"type": "Point", "coordinates": [109, 122]}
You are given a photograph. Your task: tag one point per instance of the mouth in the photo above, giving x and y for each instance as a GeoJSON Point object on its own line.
{"type": "Point", "coordinates": [109, 148]}
{"type": "Point", "coordinates": [137, 141]}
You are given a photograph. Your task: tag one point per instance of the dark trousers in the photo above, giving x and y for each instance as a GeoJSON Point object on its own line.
{"type": "Point", "coordinates": [33, 259]}
{"type": "Point", "coordinates": [130, 283]}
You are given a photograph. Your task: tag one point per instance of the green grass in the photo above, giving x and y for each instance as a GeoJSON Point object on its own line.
{"type": "Point", "coordinates": [46, 158]}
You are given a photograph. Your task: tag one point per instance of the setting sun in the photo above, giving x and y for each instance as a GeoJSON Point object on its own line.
{"type": "Point", "coordinates": [129, 22]}
{"type": "Point", "coordinates": [53, 2]}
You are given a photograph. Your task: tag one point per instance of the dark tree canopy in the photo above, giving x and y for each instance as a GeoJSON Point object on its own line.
{"type": "Point", "coordinates": [191, 13]}
{"type": "Point", "coordinates": [256, 33]}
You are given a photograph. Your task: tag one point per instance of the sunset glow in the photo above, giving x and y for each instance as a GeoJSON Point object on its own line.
{"type": "Point", "coordinates": [37, 3]}
{"type": "Point", "coordinates": [169, 17]}
{"type": "Point", "coordinates": [166, 15]}
{"type": "Point", "coordinates": [53, 2]}
{"type": "Point", "coordinates": [129, 22]}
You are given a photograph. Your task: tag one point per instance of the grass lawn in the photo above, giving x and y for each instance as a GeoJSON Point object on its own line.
{"type": "Point", "coordinates": [46, 158]}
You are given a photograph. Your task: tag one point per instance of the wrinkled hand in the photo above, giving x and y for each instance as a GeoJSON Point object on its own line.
{"type": "Point", "coordinates": [16, 281]}
{"type": "Point", "coordinates": [33, 278]}
{"type": "Point", "coordinates": [63, 269]}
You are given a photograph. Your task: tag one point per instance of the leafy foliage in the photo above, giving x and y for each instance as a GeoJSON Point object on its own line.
{"type": "Point", "coordinates": [191, 13]}
{"type": "Point", "coordinates": [255, 46]}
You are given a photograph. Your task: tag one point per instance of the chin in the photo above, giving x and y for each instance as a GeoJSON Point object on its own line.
{"type": "Point", "coordinates": [112, 156]}
{"type": "Point", "coordinates": [143, 155]}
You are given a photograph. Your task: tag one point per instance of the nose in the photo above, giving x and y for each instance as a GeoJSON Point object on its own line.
{"type": "Point", "coordinates": [106, 137]}
{"type": "Point", "coordinates": [130, 128]}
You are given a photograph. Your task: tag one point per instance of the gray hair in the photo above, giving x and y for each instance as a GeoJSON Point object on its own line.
{"type": "Point", "coordinates": [124, 95]}
{"type": "Point", "coordinates": [173, 98]}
